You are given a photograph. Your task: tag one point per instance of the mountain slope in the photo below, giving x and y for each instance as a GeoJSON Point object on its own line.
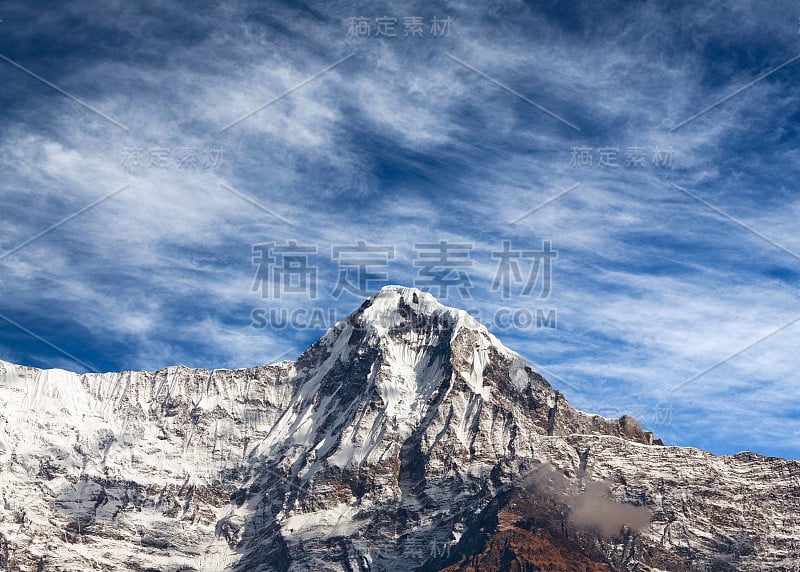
{"type": "Point", "coordinates": [406, 437]}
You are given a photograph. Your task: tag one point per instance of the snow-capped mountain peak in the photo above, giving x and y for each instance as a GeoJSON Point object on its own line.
{"type": "Point", "coordinates": [393, 306]}
{"type": "Point", "coordinates": [406, 432]}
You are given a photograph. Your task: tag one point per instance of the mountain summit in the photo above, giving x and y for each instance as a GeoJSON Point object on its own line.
{"type": "Point", "coordinates": [407, 437]}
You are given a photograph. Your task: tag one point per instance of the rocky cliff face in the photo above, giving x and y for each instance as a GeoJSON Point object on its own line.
{"type": "Point", "coordinates": [405, 438]}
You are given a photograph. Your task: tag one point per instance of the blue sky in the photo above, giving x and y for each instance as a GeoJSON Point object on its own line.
{"type": "Point", "coordinates": [193, 132]}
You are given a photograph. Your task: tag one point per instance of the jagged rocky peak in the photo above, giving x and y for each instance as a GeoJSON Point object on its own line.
{"type": "Point", "coordinates": [403, 439]}
{"type": "Point", "coordinates": [395, 311]}
{"type": "Point", "coordinates": [398, 307]}
{"type": "Point", "coordinates": [418, 322]}
{"type": "Point", "coordinates": [406, 345]}
{"type": "Point", "coordinates": [416, 338]}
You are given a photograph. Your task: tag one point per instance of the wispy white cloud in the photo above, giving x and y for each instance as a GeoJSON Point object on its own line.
{"type": "Point", "coordinates": [399, 144]}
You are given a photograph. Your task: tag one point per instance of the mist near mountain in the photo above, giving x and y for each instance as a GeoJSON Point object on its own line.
{"type": "Point", "coordinates": [591, 506]}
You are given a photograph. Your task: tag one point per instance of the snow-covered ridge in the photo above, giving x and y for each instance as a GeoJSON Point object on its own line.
{"type": "Point", "coordinates": [376, 449]}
